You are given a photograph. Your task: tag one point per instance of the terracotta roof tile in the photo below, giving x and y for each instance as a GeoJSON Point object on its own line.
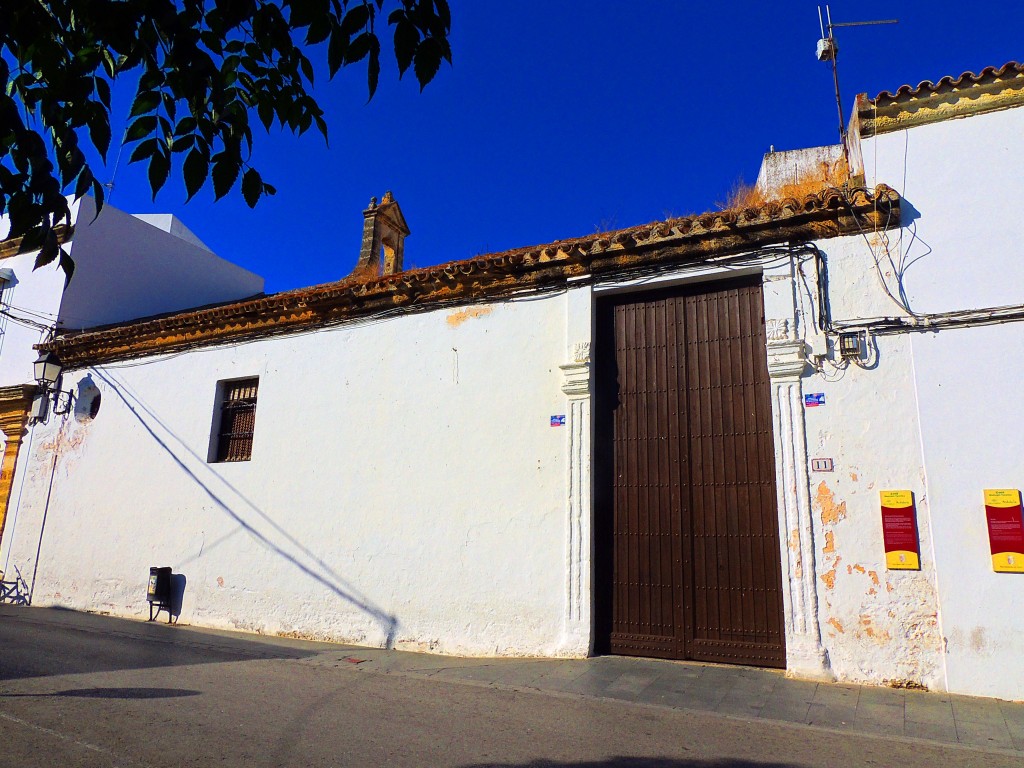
{"type": "Point", "coordinates": [991, 90]}
{"type": "Point", "coordinates": [966, 80]}
{"type": "Point", "coordinates": [828, 213]}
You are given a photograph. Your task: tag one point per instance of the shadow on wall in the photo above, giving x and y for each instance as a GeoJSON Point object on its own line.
{"type": "Point", "coordinates": [637, 762]}
{"type": "Point", "coordinates": [276, 539]}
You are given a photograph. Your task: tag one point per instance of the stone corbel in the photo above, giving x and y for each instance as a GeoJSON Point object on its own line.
{"type": "Point", "coordinates": [576, 374]}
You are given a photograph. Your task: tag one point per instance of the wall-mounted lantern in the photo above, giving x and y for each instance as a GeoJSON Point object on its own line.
{"type": "Point", "coordinates": [47, 370]}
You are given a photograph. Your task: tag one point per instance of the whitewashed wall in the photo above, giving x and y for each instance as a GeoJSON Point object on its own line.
{"type": "Point", "coordinates": [878, 626]}
{"type": "Point", "coordinates": [405, 486]}
{"type": "Point", "coordinates": [964, 178]}
{"type": "Point", "coordinates": [35, 296]}
{"type": "Point", "coordinates": [126, 268]}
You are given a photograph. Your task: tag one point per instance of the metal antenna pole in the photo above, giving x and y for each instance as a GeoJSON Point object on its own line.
{"type": "Point", "coordinates": [835, 78]}
{"type": "Point", "coordinates": [828, 49]}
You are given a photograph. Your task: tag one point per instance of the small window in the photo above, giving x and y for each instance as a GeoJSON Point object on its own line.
{"type": "Point", "coordinates": [237, 420]}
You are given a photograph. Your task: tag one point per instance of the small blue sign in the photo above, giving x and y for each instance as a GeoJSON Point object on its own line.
{"type": "Point", "coordinates": [814, 399]}
{"type": "Point", "coordinates": [558, 421]}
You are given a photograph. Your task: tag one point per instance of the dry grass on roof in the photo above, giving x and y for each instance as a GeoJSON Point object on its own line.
{"type": "Point", "coordinates": [829, 175]}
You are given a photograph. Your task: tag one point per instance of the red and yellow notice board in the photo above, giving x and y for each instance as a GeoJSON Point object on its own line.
{"type": "Point", "coordinates": [1005, 529]}
{"type": "Point", "coordinates": [899, 531]}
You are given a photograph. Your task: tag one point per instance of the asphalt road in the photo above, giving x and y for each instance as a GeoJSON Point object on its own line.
{"type": "Point", "coordinates": [79, 690]}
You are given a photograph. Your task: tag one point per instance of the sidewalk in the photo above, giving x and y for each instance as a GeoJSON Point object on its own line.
{"type": "Point", "coordinates": [743, 692]}
{"type": "Point", "coordinates": [740, 692]}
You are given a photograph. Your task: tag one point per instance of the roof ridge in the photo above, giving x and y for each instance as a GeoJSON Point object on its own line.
{"type": "Point", "coordinates": [828, 213]}
{"type": "Point", "coordinates": [1013, 68]}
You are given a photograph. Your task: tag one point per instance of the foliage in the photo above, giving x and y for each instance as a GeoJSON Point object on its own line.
{"type": "Point", "coordinates": [204, 68]}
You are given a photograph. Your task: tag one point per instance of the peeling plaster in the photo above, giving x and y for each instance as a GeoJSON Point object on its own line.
{"type": "Point", "coordinates": [831, 511]}
{"type": "Point", "coordinates": [830, 543]}
{"type": "Point", "coordinates": [457, 318]}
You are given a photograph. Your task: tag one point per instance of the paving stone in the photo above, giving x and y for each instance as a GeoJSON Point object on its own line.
{"type": "Point", "coordinates": [477, 674]}
{"type": "Point", "coordinates": [1013, 713]}
{"type": "Point", "coordinates": [631, 683]}
{"type": "Point", "coordinates": [743, 705]}
{"type": "Point", "coordinates": [671, 684]}
{"type": "Point", "coordinates": [563, 672]}
{"type": "Point", "coordinates": [922, 708]}
{"type": "Point", "coordinates": [833, 716]}
{"type": "Point", "coordinates": [796, 690]}
{"type": "Point", "coordinates": [788, 710]}
{"type": "Point", "coordinates": [984, 735]}
{"type": "Point", "coordinates": [884, 696]}
{"type": "Point", "coordinates": [837, 695]}
{"type": "Point", "coordinates": [930, 730]}
{"type": "Point", "coordinates": [703, 700]}
{"type": "Point", "coordinates": [755, 685]}
{"type": "Point", "coordinates": [984, 711]}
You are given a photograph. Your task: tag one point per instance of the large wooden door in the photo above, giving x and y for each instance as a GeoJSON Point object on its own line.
{"type": "Point", "coordinates": [687, 535]}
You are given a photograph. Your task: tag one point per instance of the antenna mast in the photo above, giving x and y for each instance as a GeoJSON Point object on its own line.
{"type": "Point", "coordinates": [828, 50]}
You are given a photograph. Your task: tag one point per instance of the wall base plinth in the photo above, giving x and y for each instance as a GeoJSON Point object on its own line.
{"type": "Point", "coordinates": [806, 659]}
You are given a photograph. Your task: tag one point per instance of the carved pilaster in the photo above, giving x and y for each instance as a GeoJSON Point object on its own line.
{"type": "Point", "coordinates": [805, 655]}
{"type": "Point", "coordinates": [576, 386]}
{"type": "Point", "coordinates": [14, 406]}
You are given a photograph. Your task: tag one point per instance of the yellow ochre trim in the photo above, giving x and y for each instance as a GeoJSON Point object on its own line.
{"type": "Point", "coordinates": [896, 499]}
{"type": "Point", "coordinates": [1008, 562]}
{"type": "Point", "coordinates": [902, 560]}
{"type": "Point", "coordinates": [1002, 497]}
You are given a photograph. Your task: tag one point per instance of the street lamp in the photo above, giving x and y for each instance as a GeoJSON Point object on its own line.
{"type": "Point", "coordinates": [47, 369]}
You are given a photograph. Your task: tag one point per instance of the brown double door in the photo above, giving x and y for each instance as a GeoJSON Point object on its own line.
{"type": "Point", "coordinates": [687, 546]}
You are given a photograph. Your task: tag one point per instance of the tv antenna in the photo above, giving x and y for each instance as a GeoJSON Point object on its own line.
{"type": "Point", "coordinates": [828, 50]}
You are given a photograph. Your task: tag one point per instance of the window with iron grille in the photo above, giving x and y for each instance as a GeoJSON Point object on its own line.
{"type": "Point", "coordinates": [237, 419]}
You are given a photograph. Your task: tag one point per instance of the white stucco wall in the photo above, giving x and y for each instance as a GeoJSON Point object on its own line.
{"type": "Point", "coordinates": [961, 182]}
{"type": "Point", "coordinates": [963, 179]}
{"type": "Point", "coordinates": [405, 481]}
{"type": "Point", "coordinates": [973, 436]}
{"type": "Point", "coordinates": [878, 626]}
{"type": "Point", "coordinates": [31, 297]}
{"type": "Point", "coordinates": [406, 468]}
{"type": "Point", "coordinates": [126, 268]}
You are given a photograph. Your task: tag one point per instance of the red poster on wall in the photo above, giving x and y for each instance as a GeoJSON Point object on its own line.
{"type": "Point", "coordinates": [1005, 529]}
{"type": "Point", "coordinates": [899, 531]}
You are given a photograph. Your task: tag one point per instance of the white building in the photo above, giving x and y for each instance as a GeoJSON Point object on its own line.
{"type": "Point", "coordinates": [649, 441]}
{"type": "Point", "coordinates": [126, 267]}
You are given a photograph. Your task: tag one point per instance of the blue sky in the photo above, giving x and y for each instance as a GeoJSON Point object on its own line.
{"type": "Point", "coordinates": [561, 119]}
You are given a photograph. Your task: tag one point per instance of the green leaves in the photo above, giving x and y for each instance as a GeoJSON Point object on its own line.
{"type": "Point", "coordinates": [145, 101]}
{"type": "Point", "coordinates": [159, 170]}
{"type": "Point", "coordinates": [225, 173]}
{"type": "Point", "coordinates": [203, 69]}
{"type": "Point", "coordinates": [195, 171]}
{"type": "Point", "coordinates": [427, 60]}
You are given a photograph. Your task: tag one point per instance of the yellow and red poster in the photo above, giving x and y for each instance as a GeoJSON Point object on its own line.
{"type": "Point", "coordinates": [899, 531]}
{"type": "Point", "coordinates": [1005, 529]}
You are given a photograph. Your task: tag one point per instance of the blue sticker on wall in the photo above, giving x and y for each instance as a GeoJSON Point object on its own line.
{"type": "Point", "coordinates": [814, 399]}
{"type": "Point", "coordinates": [558, 421]}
